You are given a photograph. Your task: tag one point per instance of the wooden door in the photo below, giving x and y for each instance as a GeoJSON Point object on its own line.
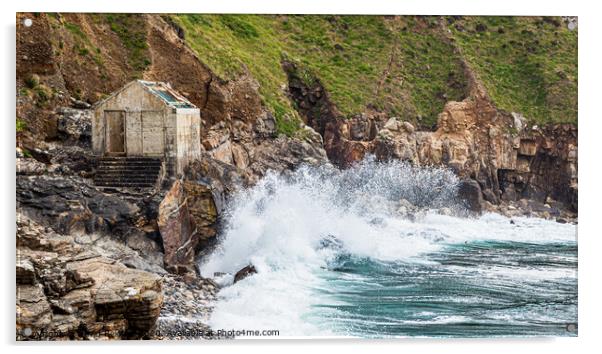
{"type": "Point", "coordinates": [115, 132]}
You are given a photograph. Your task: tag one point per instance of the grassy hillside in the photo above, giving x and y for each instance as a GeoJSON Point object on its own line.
{"type": "Point", "coordinates": [528, 64]}
{"type": "Point", "coordinates": [406, 66]}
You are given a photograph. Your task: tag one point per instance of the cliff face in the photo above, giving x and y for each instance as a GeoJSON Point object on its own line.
{"type": "Point", "coordinates": [470, 106]}
{"type": "Point", "coordinates": [494, 99]}
{"type": "Point", "coordinates": [484, 96]}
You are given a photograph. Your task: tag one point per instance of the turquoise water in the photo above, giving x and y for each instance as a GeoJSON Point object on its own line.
{"type": "Point", "coordinates": [338, 254]}
{"type": "Point", "coordinates": [474, 289]}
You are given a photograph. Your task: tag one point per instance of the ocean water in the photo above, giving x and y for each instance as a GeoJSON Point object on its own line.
{"type": "Point", "coordinates": [336, 257]}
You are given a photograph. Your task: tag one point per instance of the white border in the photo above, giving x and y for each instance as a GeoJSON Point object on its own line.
{"type": "Point", "coordinates": [590, 153]}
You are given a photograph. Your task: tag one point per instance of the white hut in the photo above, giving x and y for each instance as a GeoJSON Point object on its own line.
{"type": "Point", "coordinates": [148, 119]}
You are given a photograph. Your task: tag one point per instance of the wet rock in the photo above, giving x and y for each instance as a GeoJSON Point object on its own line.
{"type": "Point", "coordinates": [245, 272]}
{"type": "Point", "coordinates": [406, 209]}
{"type": "Point", "coordinates": [561, 220]}
{"type": "Point", "coordinates": [469, 192]}
{"type": "Point", "coordinates": [490, 196]}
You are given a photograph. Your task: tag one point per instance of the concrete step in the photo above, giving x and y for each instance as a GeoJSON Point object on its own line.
{"type": "Point", "coordinates": [125, 163]}
{"type": "Point", "coordinates": [126, 179]}
{"type": "Point", "coordinates": [129, 170]}
{"type": "Point", "coordinates": [130, 158]}
{"type": "Point", "coordinates": [125, 185]}
{"type": "Point", "coordinates": [139, 172]}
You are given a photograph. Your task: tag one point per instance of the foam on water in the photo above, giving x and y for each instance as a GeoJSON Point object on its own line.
{"type": "Point", "coordinates": [290, 228]}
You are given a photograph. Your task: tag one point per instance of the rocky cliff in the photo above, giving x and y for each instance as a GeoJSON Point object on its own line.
{"type": "Point", "coordinates": [499, 109]}
{"type": "Point", "coordinates": [482, 96]}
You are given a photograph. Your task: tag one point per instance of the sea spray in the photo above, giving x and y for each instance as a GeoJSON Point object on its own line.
{"type": "Point", "coordinates": [335, 257]}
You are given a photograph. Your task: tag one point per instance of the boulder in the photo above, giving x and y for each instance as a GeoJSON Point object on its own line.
{"type": "Point", "coordinates": [470, 194]}
{"type": "Point", "coordinates": [224, 179]}
{"type": "Point", "coordinates": [178, 231]}
{"type": "Point", "coordinates": [393, 124]}
{"type": "Point", "coordinates": [285, 153]}
{"type": "Point", "coordinates": [396, 144]}
{"type": "Point", "coordinates": [245, 272]}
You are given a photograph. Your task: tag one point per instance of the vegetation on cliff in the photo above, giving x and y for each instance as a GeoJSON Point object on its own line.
{"type": "Point", "coordinates": [528, 64]}
{"type": "Point", "coordinates": [405, 66]}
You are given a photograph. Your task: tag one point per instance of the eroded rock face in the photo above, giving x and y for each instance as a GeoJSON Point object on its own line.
{"type": "Point", "coordinates": [72, 205]}
{"type": "Point", "coordinates": [178, 231]}
{"type": "Point", "coordinates": [470, 194]}
{"type": "Point", "coordinates": [507, 158]}
{"type": "Point", "coordinates": [224, 179]}
{"type": "Point", "coordinates": [188, 215]}
{"type": "Point", "coordinates": [67, 292]}
{"type": "Point", "coordinates": [251, 145]}
{"type": "Point", "coordinates": [75, 125]}
{"type": "Point", "coordinates": [286, 153]}
{"type": "Point", "coordinates": [202, 208]}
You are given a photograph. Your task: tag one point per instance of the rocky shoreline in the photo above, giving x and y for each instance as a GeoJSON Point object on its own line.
{"type": "Point", "coordinates": [121, 263]}
{"type": "Point", "coordinates": [107, 263]}
{"type": "Point", "coordinates": [186, 309]}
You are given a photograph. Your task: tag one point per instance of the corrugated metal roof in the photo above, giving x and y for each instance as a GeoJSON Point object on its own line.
{"type": "Point", "coordinates": [167, 94]}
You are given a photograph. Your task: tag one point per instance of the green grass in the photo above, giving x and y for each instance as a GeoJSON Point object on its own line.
{"type": "Point", "coordinates": [429, 68]}
{"type": "Point", "coordinates": [405, 66]}
{"type": "Point", "coordinates": [75, 30]}
{"type": "Point", "coordinates": [21, 125]}
{"type": "Point", "coordinates": [527, 64]}
{"type": "Point", "coordinates": [131, 30]}
{"type": "Point", "coordinates": [363, 61]}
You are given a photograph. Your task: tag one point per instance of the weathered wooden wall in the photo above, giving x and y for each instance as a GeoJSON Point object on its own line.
{"type": "Point", "coordinates": [152, 128]}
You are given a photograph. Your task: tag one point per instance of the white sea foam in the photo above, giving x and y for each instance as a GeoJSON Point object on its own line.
{"type": "Point", "coordinates": [280, 226]}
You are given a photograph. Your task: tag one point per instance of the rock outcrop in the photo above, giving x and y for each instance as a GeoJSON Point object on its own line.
{"type": "Point", "coordinates": [71, 204]}
{"type": "Point", "coordinates": [508, 158]}
{"type": "Point", "coordinates": [178, 231]}
{"type": "Point", "coordinates": [75, 125]}
{"type": "Point", "coordinates": [244, 272]}
{"type": "Point", "coordinates": [67, 292]}
{"type": "Point", "coordinates": [188, 214]}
